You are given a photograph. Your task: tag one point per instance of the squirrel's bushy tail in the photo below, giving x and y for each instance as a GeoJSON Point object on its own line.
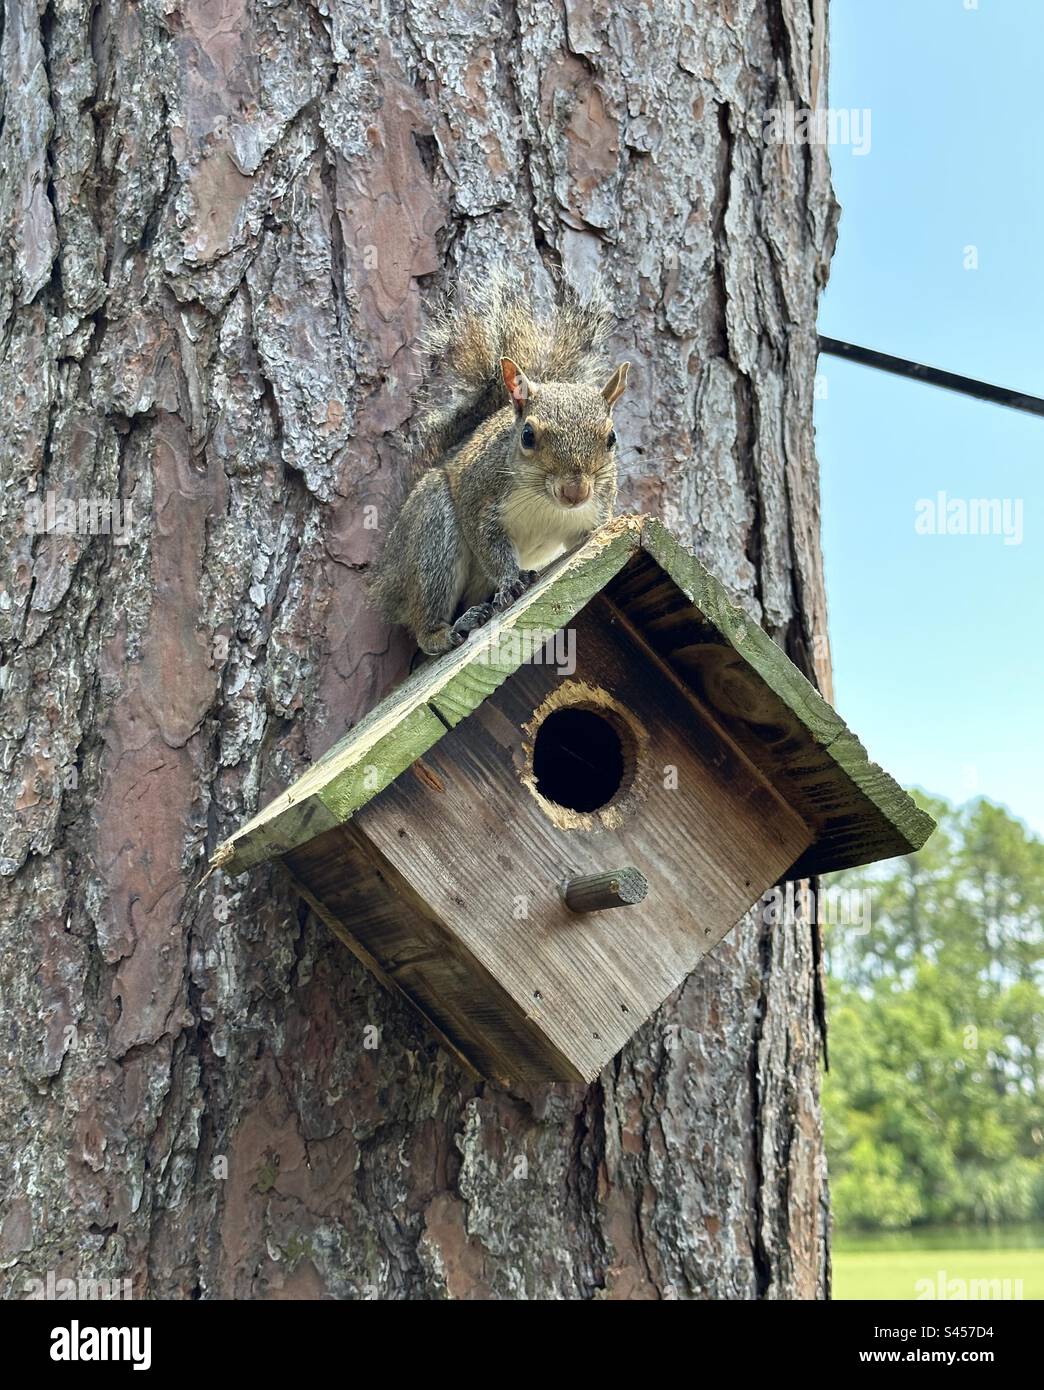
{"type": "Point", "coordinates": [485, 322]}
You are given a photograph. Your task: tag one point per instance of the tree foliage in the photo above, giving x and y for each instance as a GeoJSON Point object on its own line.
{"type": "Point", "coordinates": [933, 1098]}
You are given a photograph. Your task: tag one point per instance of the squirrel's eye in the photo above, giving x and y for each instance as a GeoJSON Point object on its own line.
{"type": "Point", "coordinates": [610, 443]}
{"type": "Point", "coordinates": [528, 437]}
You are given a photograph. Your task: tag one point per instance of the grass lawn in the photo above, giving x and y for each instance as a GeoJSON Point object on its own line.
{"type": "Point", "coordinates": [975, 1268]}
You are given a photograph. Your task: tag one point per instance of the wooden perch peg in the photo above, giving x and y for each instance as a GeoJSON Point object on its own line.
{"type": "Point", "coordinates": [594, 892]}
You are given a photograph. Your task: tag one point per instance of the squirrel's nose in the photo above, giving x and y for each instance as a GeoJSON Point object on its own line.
{"type": "Point", "coordinates": [574, 493]}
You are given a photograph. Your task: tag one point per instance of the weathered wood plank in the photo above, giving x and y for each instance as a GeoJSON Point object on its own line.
{"type": "Point", "coordinates": [859, 812]}
{"type": "Point", "coordinates": [393, 930]}
{"type": "Point", "coordinates": [313, 805]}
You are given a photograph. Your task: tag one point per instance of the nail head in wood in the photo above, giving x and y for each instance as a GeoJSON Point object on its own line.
{"type": "Point", "coordinates": [595, 892]}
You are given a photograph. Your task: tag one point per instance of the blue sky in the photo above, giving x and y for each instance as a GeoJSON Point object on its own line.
{"type": "Point", "coordinates": [938, 640]}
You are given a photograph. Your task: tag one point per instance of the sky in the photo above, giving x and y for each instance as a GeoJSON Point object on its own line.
{"type": "Point", "coordinates": [937, 637]}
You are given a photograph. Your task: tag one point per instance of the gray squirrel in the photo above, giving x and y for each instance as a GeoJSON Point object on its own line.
{"type": "Point", "coordinates": [519, 433]}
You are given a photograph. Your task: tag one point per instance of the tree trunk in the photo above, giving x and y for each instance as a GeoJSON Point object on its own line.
{"type": "Point", "coordinates": [223, 222]}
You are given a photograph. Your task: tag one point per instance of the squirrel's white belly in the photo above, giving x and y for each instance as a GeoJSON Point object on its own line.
{"type": "Point", "coordinates": [542, 530]}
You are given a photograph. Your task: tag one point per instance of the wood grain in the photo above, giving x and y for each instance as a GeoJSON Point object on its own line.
{"type": "Point", "coordinates": [481, 853]}
{"type": "Point", "coordinates": [858, 812]}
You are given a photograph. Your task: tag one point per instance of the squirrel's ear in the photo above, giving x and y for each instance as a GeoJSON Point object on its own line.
{"type": "Point", "coordinates": [517, 383]}
{"type": "Point", "coordinates": [614, 387]}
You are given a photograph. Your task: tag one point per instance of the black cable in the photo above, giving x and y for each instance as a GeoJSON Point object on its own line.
{"type": "Point", "coordinates": [950, 381]}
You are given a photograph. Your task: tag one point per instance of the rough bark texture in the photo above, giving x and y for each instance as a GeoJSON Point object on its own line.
{"type": "Point", "coordinates": [222, 220]}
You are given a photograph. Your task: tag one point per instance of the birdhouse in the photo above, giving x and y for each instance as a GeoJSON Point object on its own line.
{"type": "Point", "coordinates": [538, 835]}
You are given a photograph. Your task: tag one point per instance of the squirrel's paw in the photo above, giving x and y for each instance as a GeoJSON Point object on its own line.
{"type": "Point", "coordinates": [469, 621]}
{"type": "Point", "coordinates": [507, 593]}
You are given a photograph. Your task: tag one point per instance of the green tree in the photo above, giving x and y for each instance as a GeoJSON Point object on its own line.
{"type": "Point", "coordinates": [934, 1099]}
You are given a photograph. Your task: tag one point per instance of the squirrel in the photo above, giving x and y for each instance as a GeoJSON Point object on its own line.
{"type": "Point", "coordinates": [519, 431]}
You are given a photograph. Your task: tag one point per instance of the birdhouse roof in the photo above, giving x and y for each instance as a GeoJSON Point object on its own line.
{"type": "Point", "coordinates": [693, 635]}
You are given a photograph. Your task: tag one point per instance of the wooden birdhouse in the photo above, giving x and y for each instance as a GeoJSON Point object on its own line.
{"type": "Point", "coordinates": [538, 835]}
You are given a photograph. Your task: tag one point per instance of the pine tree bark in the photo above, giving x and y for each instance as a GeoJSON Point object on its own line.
{"type": "Point", "coordinates": [223, 221]}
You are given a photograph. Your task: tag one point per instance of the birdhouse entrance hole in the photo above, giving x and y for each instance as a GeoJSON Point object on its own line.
{"type": "Point", "coordinates": [583, 757]}
{"type": "Point", "coordinates": [578, 759]}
